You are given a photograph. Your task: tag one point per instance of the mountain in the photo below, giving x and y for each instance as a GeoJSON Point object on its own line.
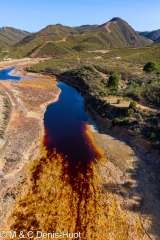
{"type": "Point", "coordinates": [112, 34]}
{"type": "Point", "coordinates": [153, 35]}
{"type": "Point", "coordinates": [9, 36]}
{"type": "Point", "coordinates": [157, 40]}
{"type": "Point", "coordinates": [57, 39]}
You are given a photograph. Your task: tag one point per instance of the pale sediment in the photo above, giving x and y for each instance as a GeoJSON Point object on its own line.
{"type": "Point", "coordinates": [24, 132]}
{"type": "Point", "coordinates": [5, 109]}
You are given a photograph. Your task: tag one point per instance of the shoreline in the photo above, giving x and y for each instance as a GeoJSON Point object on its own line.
{"type": "Point", "coordinates": [116, 131]}
{"type": "Point", "coordinates": [24, 132]}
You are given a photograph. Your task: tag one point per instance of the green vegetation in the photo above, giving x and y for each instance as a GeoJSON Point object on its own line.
{"type": "Point", "coordinates": [3, 54]}
{"type": "Point", "coordinates": [132, 104]}
{"type": "Point", "coordinates": [113, 81]}
{"type": "Point", "coordinates": [52, 50]}
{"type": "Point", "coordinates": [56, 65]}
{"type": "Point", "coordinates": [9, 36]}
{"type": "Point", "coordinates": [91, 75]}
{"type": "Point", "coordinates": [150, 67]}
{"type": "Point", "coordinates": [115, 33]}
{"type": "Point", "coordinates": [130, 112]}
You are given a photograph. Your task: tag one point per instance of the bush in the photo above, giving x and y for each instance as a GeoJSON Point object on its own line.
{"type": "Point", "coordinates": [118, 101]}
{"type": "Point", "coordinates": [139, 117]}
{"type": "Point", "coordinates": [120, 122]}
{"type": "Point", "coordinates": [130, 112]}
{"type": "Point", "coordinates": [117, 121]}
{"type": "Point", "coordinates": [132, 104]}
{"type": "Point", "coordinates": [113, 81]}
{"type": "Point", "coordinates": [150, 67]}
{"type": "Point", "coordinates": [102, 93]}
{"type": "Point", "coordinates": [152, 135]}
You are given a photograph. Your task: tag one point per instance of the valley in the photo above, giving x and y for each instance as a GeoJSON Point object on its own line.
{"type": "Point", "coordinates": [46, 184]}
{"type": "Point", "coordinates": [112, 175]}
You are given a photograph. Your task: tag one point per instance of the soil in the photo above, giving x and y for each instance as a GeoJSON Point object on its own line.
{"type": "Point", "coordinates": [107, 27]}
{"type": "Point", "coordinates": [25, 130]}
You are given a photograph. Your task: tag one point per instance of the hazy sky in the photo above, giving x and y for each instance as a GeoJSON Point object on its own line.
{"type": "Point", "coordinates": [33, 15]}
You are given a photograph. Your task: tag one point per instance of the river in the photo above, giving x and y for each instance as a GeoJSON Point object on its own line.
{"type": "Point", "coordinates": [65, 126]}
{"type": "Point", "coordinates": [70, 156]}
{"type": "Point", "coordinates": [6, 74]}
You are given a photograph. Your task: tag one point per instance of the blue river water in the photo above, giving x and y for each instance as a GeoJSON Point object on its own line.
{"type": "Point", "coordinates": [6, 74]}
{"type": "Point", "coordinates": [65, 122]}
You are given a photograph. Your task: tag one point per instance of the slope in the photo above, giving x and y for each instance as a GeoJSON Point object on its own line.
{"type": "Point", "coordinates": [113, 34]}
{"type": "Point", "coordinates": [153, 35]}
{"type": "Point", "coordinates": [9, 36]}
{"type": "Point", "coordinates": [30, 43]}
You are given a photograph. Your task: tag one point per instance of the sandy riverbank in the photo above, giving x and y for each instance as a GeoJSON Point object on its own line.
{"type": "Point", "coordinates": [130, 176]}
{"type": "Point", "coordinates": [25, 129]}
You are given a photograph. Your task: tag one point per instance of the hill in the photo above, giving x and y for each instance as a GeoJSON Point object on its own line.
{"type": "Point", "coordinates": [153, 35]}
{"type": "Point", "coordinates": [10, 36]}
{"type": "Point", "coordinates": [157, 40]}
{"type": "Point", "coordinates": [89, 71]}
{"type": "Point", "coordinates": [112, 34]}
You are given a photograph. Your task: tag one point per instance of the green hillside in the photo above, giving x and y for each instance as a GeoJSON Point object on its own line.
{"type": "Point", "coordinates": [50, 49]}
{"type": "Point", "coordinates": [90, 72]}
{"type": "Point", "coordinates": [28, 45]}
{"type": "Point", "coordinates": [113, 34]}
{"type": "Point", "coordinates": [10, 36]}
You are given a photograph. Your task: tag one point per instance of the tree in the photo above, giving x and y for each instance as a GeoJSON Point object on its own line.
{"type": "Point", "coordinates": [113, 81]}
{"type": "Point", "coordinates": [150, 67]}
{"type": "Point", "coordinates": [132, 104]}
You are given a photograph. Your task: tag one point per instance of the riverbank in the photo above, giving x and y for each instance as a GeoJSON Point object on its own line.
{"type": "Point", "coordinates": [116, 131]}
{"type": "Point", "coordinates": [5, 111]}
{"type": "Point", "coordinates": [131, 172]}
{"type": "Point", "coordinates": [25, 130]}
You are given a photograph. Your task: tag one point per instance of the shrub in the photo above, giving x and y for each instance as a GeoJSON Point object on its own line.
{"type": "Point", "coordinates": [117, 121]}
{"type": "Point", "coordinates": [118, 101]}
{"type": "Point", "coordinates": [102, 93]}
{"type": "Point", "coordinates": [139, 117]}
{"type": "Point", "coordinates": [120, 122]}
{"type": "Point", "coordinates": [132, 104]}
{"type": "Point", "coordinates": [113, 81]}
{"type": "Point", "coordinates": [152, 135]}
{"type": "Point", "coordinates": [150, 67]}
{"type": "Point", "coordinates": [130, 112]}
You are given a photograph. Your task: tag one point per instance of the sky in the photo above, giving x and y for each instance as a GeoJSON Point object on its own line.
{"type": "Point", "coordinates": [33, 15]}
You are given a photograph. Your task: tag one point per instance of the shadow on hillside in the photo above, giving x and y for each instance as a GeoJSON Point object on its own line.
{"type": "Point", "coordinates": [142, 194]}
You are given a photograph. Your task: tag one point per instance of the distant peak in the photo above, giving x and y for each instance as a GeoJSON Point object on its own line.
{"type": "Point", "coordinates": [115, 19]}
{"type": "Point", "coordinates": [59, 24]}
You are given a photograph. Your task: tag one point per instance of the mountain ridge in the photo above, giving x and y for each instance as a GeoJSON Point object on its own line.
{"type": "Point", "coordinates": [9, 36]}
{"type": "Point", "coordinates": [153, 35]}
{"type": "Point", "coordinates": [112, 34]}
